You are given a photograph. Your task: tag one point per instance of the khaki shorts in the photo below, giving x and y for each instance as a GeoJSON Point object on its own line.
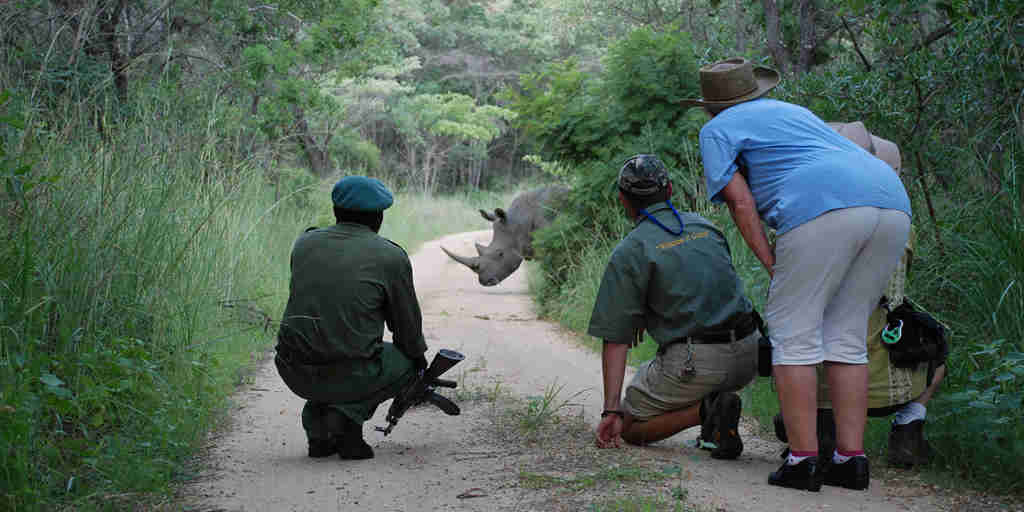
{"type": "Point", "coordinates": [829, 274]}
{"type": "Point", "coordinates": [662, 387]}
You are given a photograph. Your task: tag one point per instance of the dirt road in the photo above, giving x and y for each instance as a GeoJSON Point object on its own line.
{"type": "Point", "coordinates": [430, 461]}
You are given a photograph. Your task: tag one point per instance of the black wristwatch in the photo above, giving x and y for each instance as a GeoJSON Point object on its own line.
{"type": "Point", "coordinates": [606, 412]}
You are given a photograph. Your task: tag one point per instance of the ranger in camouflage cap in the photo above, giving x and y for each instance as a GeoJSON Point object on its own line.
{"type": "Point", "coordinates": [672, 277]}
{"type": "Point", "coordinates": [642, 175]}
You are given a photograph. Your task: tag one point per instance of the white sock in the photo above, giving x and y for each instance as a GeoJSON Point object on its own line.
{"type": "Point", "coordinates": [793, 460]}
{"type": "Point", "coordinates": [839, 459]}
{"type": "Point", "coordinates": [910, 412]}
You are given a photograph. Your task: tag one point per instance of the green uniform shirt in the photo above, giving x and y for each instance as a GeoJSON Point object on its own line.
{"type": "Point", "coordinates": [346, 282]}
{"type": "Point", "coordinates": [671, 285]}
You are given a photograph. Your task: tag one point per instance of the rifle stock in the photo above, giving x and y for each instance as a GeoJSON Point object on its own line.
{"type": "Point", "coordinates": [422, 389]}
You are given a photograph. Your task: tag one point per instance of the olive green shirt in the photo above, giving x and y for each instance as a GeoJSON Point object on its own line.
{"type": "Point", "coordinates": [673, 286]}
{"type": "Point", "coordinates": [346, 283]}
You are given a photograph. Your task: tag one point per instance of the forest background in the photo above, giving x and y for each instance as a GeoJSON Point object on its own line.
{"type": "Point", "coordinates": [158, 158]}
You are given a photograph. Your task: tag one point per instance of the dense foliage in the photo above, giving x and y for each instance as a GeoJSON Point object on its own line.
{"type": "Point", "coordinates": [945, 84]}
{"type": "Point", "coordinates": [156, 159]}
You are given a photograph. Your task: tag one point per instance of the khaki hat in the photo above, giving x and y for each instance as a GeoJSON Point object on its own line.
{"type": "Point", "coordinates": [731, 81]}
{"type": "Point", "coordinates": [886, 150]}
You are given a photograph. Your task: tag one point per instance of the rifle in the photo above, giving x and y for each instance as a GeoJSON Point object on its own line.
{"type": "Point", "coordinates": [422, 389]}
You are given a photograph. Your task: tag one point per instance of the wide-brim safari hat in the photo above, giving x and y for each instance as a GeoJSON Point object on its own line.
{"type": "Point", "coordinates": [731, 81]}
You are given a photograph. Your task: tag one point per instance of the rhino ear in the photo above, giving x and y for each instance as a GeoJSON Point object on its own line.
{"type": "Point", "coordinates": [501, 214]}
{"type": "Point", "coordinates": [487, 215]}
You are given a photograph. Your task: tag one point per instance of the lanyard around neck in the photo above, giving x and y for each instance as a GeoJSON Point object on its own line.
{"type": "Point", "coordinates": [662, 226]}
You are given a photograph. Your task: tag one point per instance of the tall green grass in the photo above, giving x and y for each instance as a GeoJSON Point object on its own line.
{"type": "Point", "coordinates": [140, 274]}
{"type": "Point", "coordinates": [141, 277]}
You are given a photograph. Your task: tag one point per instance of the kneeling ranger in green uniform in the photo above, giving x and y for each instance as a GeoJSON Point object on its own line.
{"type": "Point", "coordinates": [346, 283]}
{"type": "Point", "coordinates": [673, 276]}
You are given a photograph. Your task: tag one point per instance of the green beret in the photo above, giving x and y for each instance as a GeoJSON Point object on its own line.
{"type": "Point", "coordinates": [361, 194]}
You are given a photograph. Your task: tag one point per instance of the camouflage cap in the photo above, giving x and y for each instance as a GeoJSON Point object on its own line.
{"type": "Point", "coordinates": [643, 175]}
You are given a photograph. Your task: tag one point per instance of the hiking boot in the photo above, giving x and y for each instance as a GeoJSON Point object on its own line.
{"type": "Point", "coordinates": [322, 448]}
{"type": "Point", "coordinates": [780, 428]}
{"type": "Point", "coordinates": [351, 445]}
{"type": "Point", "coordinates": [907, 445]}
{"type": "Point", "coordinates": [707, 422]}
{"type": "Point", "coordinates": [826, 428]}
{"type": "Point", "coordinates": [728, 444]}
{"type": "Point", "coordinates": [852, 474]}
{"type": "Point", "coordinates": [806, 475]}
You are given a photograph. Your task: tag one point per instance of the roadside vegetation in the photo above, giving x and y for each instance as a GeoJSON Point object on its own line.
{"type": "Point", "coordinates": [949, 100]}
{"type": "Point", "coordinates": [157, 159]}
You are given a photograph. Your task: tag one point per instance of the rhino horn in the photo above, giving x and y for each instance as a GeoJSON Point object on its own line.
{"type": "Point", "coordinates": [472, 263]}
{"type": "Point", "coordinates": [480, 249]}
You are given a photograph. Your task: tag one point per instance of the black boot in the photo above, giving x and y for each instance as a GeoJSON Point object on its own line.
{"type": "Point", "coordinates": [826, 433]}
{"type": "Point", "coordinates": [826, 428]}
{"type": "Point", "coordinates": [351, 445]}
{"type": "Point", "coordinates": [806, 475]}
{"type": "Point", "coordinates": [322, 448]}
{"type": "Point", "coordinates": [780, 428]}
{"type": "Point", "coordinates": [728, 444]}
{"type": "Point", "coordinates": [707, 422]}
{"type": "Point", "coordinates": [322, 441]}
{"type": "Point", "coordinates": [907, 445]}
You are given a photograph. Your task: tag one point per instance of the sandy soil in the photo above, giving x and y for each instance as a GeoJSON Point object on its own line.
{"type": "Point", "coordinates": [437, 462]}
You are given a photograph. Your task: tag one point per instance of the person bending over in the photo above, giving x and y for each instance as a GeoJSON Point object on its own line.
{"type": "Point", "coordinates": [842, 218]}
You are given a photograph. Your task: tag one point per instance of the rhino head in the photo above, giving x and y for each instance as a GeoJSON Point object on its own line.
{"type": "Point", "coordinates": [503, 256]}
{"type": "Point", "coordinates": [513, 233]}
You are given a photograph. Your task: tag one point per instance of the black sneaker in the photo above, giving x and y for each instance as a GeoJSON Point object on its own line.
{"type": "Point", "coordinates": [806, 475]}
{"type": "Point", "coordinates": [728, 444]}
{"type": "Point", "coordinates": [852, 474]}
{"type": "Point", "coordinates": [322, 448]}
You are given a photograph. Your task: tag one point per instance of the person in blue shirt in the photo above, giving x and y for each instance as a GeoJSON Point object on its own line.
{"type": "Point", "coordinates": [842, 218]}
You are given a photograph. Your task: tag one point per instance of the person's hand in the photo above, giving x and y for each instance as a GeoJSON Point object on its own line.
{"type": "Point", "coordinates": [609, 432]}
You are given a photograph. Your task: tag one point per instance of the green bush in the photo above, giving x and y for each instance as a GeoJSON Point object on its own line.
{"type": "Point", "coordinates": [128, 301]}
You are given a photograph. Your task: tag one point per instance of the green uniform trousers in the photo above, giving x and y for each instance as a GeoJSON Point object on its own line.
{"type": "Point", "coordinates": [346, 389]}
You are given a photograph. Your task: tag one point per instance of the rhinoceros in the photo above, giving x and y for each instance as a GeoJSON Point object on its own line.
{"type": "Point", "coordinates": [512, 241]}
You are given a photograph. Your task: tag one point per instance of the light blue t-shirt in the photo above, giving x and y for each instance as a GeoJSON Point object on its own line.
{"type": "Point", "coordinates": [798, 168]}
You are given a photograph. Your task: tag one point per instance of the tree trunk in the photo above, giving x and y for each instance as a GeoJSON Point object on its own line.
{"type": "Point", "coordinates": [319, 160]}
{"type": "Point", "coordinates": [118, 60]}
{"type": "Point", "coordinates": [741, 28]}
{"type": "Point", "coordinates": [808, 40]}
{"type": "Point", "coordinates": [775, 48]}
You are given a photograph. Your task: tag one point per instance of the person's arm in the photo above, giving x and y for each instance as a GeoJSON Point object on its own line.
{"type": "Point", "coordinates": [737, 196]}
{"type": "Point", "coordinates": [404, 317]}
{"type": "Point", "coordinates": [613, 369]}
